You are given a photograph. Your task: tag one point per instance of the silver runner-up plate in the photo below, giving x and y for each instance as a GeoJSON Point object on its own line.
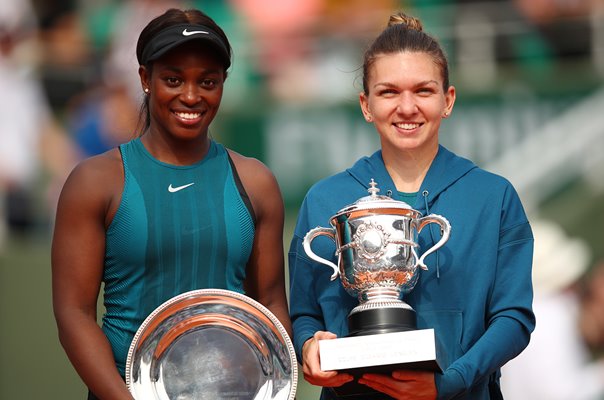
{"type": "Point", "coordinates": [211, 344]}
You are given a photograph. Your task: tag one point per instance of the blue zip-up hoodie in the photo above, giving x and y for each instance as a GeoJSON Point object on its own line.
{"type": "Point", "coordinates": [477, 293]}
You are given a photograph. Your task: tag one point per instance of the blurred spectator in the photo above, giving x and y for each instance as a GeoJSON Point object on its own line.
{"type": "Point", "coordinates": [101, 118]}
{"type": "Point", "coordinates": [29, 132]}
{"type": "Point", "coordinates": [281, 32]}
{"type": "Point", "coordinates": [302, 47]}
{"type": "Point", "coordinates": [547, 11]}
{"type": "Point", "coordinates": [557, 363]}
{"type": "Point", "coordinates": [67, 64]}
{"type": "Point", "coordinates": [592, 316]}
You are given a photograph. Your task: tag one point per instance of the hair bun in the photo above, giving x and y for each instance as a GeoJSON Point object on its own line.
{"type": "Point", "coordinates": [402, 18]}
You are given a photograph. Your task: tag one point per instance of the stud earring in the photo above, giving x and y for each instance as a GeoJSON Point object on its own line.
{"type": "Point", "coordinates": [146, 90]}
{"type": "Point", "coordinates": [446, 114]}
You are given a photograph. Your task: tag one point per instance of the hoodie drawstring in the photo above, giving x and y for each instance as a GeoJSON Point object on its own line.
{"type": "Point", "coordinates": [425, 194]}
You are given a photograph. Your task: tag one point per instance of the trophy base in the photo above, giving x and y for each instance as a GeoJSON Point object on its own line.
{"type": "Point", "coordinates": [381, 354]}
{"type": "Point", "coordinates": [380, 320]}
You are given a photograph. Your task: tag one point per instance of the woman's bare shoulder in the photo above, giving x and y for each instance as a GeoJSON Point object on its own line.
{"type": "Point", "coordinates": [106, 162]}
{"type": "Point", "coordinates": [258, 180]}
{"type": "Point", "coordinates": [251, 169]}
{"type": "Point", "coordinates": [98, 173]}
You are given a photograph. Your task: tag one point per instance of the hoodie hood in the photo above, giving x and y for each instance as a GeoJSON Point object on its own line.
{"type": "Point", "coordinates": [445, 170]}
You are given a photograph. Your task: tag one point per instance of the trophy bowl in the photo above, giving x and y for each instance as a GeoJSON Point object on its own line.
{"type": "Point", "coordinates": [211, 344]}
{"type": "Point", "coordinates": [377, 248]}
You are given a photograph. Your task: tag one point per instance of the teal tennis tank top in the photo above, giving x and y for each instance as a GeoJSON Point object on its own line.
{"type": "Point", "coordinates": [177, 228]}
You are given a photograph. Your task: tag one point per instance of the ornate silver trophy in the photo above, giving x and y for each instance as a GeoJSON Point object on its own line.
{"type": "Point", "coordinates": [377, 248]}
{"type": "Point", "coordinates": [376, 245]}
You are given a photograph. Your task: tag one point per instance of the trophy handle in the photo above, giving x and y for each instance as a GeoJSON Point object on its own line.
{"type": "Point", "coordinates": [308, 238]}
{"type": "Point", "coordinates": [445, 229]}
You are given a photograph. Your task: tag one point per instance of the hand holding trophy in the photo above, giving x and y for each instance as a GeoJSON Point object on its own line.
{"type": "Point", "coordinates": [376, 243]}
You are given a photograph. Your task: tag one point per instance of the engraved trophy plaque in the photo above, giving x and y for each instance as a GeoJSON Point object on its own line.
{"type": "Point", "coordinates": [378, 262]}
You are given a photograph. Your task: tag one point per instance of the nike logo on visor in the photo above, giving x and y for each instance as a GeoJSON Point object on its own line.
{"type": "Point", "coordinates": [187, 33]}
{"type": "Point", "coordinates": [172, 189]}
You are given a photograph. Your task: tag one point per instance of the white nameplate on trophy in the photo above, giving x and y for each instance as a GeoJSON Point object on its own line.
{"type": "Point", "coordinates": [413, 346]}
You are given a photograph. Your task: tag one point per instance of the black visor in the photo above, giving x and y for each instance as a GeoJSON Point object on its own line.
{"type": "Point", "coordinates": [174, 36]}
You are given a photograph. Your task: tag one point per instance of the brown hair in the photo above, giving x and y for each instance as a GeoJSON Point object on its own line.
{"type": "Point", "coordinates": [405, 33]}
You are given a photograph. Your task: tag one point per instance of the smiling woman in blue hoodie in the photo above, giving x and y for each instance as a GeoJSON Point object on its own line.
{"type": "Point", "coordinates": [477, 293]}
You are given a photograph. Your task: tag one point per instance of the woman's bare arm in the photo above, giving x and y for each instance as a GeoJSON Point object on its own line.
{"type": "Point", "coordinates": [78, 249]}
{"type": "Point", "coordinates": [266, 268]}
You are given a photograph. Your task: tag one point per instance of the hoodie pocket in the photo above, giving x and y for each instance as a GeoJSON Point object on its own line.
{"type": "Point", "coordinates": [448, 328]}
